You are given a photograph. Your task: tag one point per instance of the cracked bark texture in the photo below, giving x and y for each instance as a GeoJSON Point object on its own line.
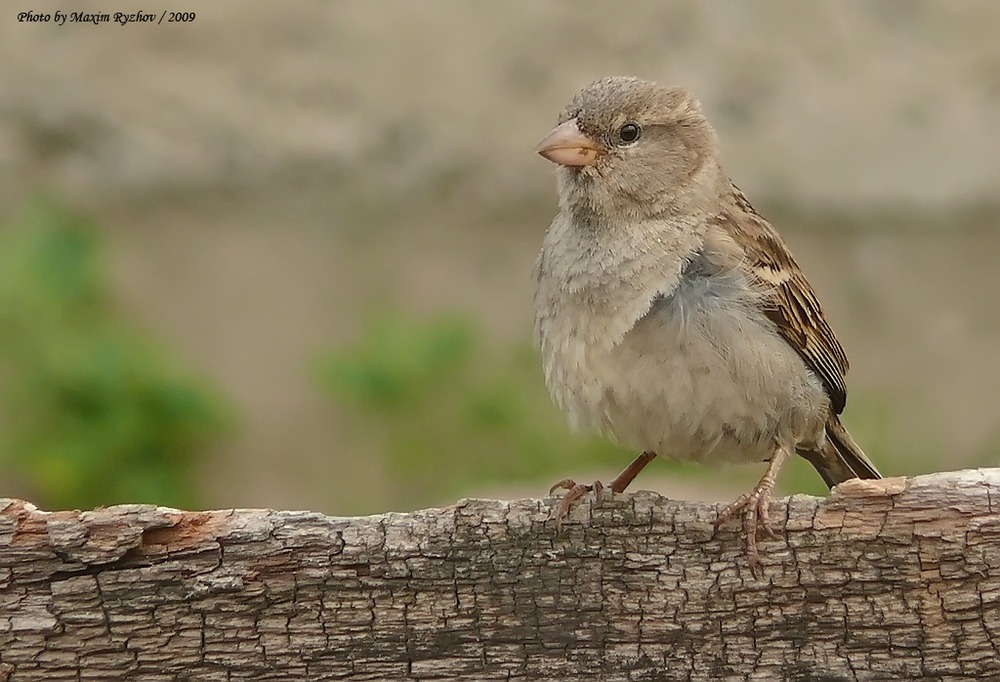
{"type": "Point", "coordinates": [882, 580]}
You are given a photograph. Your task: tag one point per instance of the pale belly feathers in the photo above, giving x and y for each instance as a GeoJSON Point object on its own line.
{"type": "Point", "coordinates": [702, 376]}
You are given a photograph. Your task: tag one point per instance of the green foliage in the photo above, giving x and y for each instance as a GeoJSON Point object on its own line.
{"type": "Point", "coordinates": [92, 412]}
{"type": "Point", "coordinates": [453, 409]}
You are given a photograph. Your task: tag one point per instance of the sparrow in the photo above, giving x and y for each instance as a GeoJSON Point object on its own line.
{"type": "Point", "coordinates": [670, 315]}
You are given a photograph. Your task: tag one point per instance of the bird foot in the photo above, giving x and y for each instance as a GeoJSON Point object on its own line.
{"type": "Point", "coordinates": [754, 508]}
{"type": "Point", "coordinates": [574, 491]}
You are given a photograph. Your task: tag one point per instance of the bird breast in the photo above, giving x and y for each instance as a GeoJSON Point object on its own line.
{"type": "Point", "coordinates": [694, 371]}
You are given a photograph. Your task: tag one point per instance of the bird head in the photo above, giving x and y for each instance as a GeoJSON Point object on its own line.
{"type": "Point", "coordinates": [626, 146]}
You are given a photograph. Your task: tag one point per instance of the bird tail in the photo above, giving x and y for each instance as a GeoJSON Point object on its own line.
{"type": "Point", "coordinates": [841, 458]}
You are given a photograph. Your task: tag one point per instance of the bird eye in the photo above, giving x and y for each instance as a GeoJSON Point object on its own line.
{"type": "Point", "coordinates": [629, 133]}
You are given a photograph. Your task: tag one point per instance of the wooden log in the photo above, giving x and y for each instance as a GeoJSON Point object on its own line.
{"type": "Point", "coordinates": [893, 579]}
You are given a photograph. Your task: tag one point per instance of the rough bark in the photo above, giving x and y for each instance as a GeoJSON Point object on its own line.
{"type": "Point", "coordinates": [894, 579]}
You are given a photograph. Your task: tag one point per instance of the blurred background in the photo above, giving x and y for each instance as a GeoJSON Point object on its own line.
{"type": "Point", "coordinates": [280, 256]}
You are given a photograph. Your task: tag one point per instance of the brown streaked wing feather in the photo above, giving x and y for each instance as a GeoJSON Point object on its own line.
{"type": "Point", "coordinates": [790, 301]}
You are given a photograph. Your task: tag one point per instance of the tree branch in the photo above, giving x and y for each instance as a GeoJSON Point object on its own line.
{"type": "Point", "coordinates": [893, 579]}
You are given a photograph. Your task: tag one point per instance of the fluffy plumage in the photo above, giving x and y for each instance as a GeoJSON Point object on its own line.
{"type": "Point", "coordinates": [670, 315]}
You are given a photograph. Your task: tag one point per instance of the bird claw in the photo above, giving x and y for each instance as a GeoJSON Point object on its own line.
{"type": "Point", "coordinates": [754, 506]}
{"type": "Point", "coordinates": [565, 484]}
{"type": "Point", "coordinates": [574, 492]}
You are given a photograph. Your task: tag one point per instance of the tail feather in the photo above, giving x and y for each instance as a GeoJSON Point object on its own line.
{"type": "Point", "coordinates": [841, 458]}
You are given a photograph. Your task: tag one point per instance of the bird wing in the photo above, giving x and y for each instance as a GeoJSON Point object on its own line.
{"type": "Point", "coordinates": [788, 299]}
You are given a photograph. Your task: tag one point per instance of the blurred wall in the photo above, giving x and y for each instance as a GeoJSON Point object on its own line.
{"type": "Point", "coordinates": [821, 102]}
{"type": "Point", "coordinates": [271, 171]}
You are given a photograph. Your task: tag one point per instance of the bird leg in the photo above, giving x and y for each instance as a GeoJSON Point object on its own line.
{"type": "Point", "coordinates": [574, 490]}
{"type": "Point", "coordinates": [754, 507]}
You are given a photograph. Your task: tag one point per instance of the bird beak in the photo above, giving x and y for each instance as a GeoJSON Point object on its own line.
{"type": "Point", "coordinates": [568, 146]}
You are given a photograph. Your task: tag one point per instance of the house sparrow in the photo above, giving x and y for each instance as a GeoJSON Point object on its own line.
{"type": "Point", "coordinates": [670, 315]}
